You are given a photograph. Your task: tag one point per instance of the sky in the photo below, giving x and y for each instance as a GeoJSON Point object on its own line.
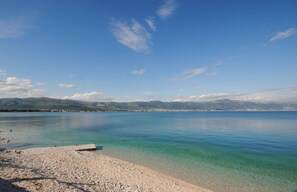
{"type": "Point", "coordinates": [143, 50]}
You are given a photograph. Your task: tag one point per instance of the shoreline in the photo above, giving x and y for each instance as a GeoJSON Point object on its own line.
{"type": "Point", "coordinates": [64, 169]}
{"type": "Point", "coordinates": [148, 111]}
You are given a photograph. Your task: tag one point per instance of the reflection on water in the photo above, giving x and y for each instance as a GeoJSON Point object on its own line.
{"type": "Point", "coordinates": [247, 150]}
{"type": "Point", "coordinates": [43, 129]}
{"type": "Point", "coordinates": [49, 120]}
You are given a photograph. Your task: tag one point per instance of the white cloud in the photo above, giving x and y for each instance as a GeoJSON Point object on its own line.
{"type": "Point", "coordinates": [15, 27]}
{"type": "Point", "coordinates": [190, 73]}
{"type": "Point", "coordinates": [282, 35]}
{"type": "Point", "coordinates": [132, 34]}
{"type": "Point", "coordinates": [180, 99]}
{"type": "Point", "coordinates": [150, 22]}
{"type": "Point", "coordinates": [17, 87]}
{"type": "Point", "coordinates": [90, 96]}
{"type": "Point", "coordinates": [281, 94]}
{"type": "Point", "coordinates": [215, 96]}
{"type": "Point", "coordinates": [138, 72]}
{"type": "Point", "coordinates": [64, 85]}
{"type": "Point", "coordinates": [167, 9]}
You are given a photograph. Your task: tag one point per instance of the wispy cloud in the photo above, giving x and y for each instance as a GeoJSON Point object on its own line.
{"type": "Point", "coordinates": [18, 87]}
{"type": "Point", "coordinates": [89, 96]}
{"type": "Point", "coordinates": [65, 85]}
{"type": "Point", "coordinates": [209, 70]}
{"type": "Point", "coordinates": [15, 27]}
{"type": "Point", "coordinates": [216, 96]}
{"type": "Point", "coordinates": [39, 83]}
{"type": "Point", "coordinates": [150, 22]}
{"type": "Point", "coordinates": [213, 69]}
{"type": "Point", "coordinates": [2, 73]}
{"type": "Point", "coordinates": [190, 73]}
{"type": "Point", "coordinates": [138, 72]}
{"type": "Point", "coordinates": [284, 34]}
{"type": "Point", "coordinates": [218, 63]}
{"type": "Point", "coordinates": [211, 73]}
{"type": "Point", "coordinates": [132, 34]}
{"type": "Point", "coordinates": [167, 9]}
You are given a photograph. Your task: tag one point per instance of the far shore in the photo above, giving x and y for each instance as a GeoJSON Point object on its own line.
{"type": "Point", "coordinates": [65, 169]}
{"type": "Point", "coordinates": [144, 111]}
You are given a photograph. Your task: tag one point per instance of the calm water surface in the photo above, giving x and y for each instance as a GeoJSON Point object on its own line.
{"type": "Point", "coordinates": [223, 151]}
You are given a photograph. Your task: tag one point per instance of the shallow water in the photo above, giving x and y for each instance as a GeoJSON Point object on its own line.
{"type": "Point", "coordinates": [223, 151]}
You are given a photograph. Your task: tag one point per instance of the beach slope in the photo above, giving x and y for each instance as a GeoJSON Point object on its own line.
{"type": "Point", "coordinates": [64, 169]}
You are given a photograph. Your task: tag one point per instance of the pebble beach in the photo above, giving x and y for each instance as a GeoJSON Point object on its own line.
{"type": "Point", "coordinates": [64, 169]}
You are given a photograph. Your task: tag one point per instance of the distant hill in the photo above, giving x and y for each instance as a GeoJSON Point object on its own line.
{"type": "Point", "coordinates": [49, 104]}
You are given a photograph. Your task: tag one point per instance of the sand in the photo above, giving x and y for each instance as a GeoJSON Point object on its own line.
{"type": "Point", "coordinates": [61, 169]}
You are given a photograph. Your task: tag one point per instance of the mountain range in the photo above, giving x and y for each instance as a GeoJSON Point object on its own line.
{"type": "Point", "coordinates": [50, 104]}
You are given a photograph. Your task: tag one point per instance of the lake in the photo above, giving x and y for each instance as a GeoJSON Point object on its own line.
{"type": "Point", "coordinates": [222, 151]}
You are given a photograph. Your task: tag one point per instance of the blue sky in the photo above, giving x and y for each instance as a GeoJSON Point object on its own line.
{"type": "Point", "coordinates": [170, 50]}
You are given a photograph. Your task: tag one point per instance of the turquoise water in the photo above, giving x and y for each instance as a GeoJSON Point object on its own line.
{"type": "Point", "coordinates": [223, 151]}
